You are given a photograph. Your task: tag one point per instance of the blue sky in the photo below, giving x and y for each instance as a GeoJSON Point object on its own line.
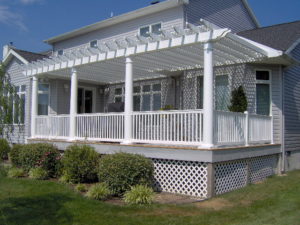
{"type": "Point", "coordinates": [28, 22]}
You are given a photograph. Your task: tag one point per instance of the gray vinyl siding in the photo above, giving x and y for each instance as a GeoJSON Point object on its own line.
{"type": "Point", "coordinates": [168, 18]}
{"type": "Point", "coordinates": [226, 14]}
{"type": "Point", "coordinates": [14, 71]}
{"type": "Point", "coordinates": [292, 105]}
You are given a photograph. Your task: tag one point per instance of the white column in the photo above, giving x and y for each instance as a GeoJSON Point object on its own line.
{"type": "Point", "coordinates": [128, 101]}
{"type": "Point", "coordinates": [73, 103]}
{"type": "Point", "coordinates": [208, 102]}
{"type": "Point", "coordinates": [34, 104]}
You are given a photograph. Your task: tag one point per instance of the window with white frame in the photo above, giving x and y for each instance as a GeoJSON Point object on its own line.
{"type": "Point", "coordinates": [154, 28]}
{"type": "Point", "coordinates": [145, 97]}
{"type": "Point", "coordinates": [222, 92]}
{"type": "Point", "coordinates": [94, 44]}
{"type": "Point", "coordinates": [60, 52]}
{"type": "Point", "coordinates": [43, 99]}
{"type": "Point", "coordinates": [19, 105]}
{"type": "Point", "coordinates": [263, 92]}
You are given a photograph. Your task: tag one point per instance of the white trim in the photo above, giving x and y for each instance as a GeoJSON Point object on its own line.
{"type": "Point", "coordinates": [11, 53]}
{"type": "Point", "coordinates": [293, 46]}
{"type": "Point", "coordinates": [269, 82]}
{"type": "Point", "coordinates": [150, 27]}
{"type": "Point", "coordinates": [251, 12]}
{"type": "Point", "coordinates": [119, 19]}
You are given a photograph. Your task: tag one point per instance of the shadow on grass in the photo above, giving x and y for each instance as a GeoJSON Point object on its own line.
{"type": "Point", "coordinates": [42, 210]}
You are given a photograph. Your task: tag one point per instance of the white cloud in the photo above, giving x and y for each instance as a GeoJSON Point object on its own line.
{"type": "Point", "coordinates": [9, 17]}
{"type": "Point", "coordinates": [26, 2]}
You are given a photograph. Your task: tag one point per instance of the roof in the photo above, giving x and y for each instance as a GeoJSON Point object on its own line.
{"type": "Point", "coordinates": [30, 56]}
{"type": "Point", "coordinates": [118, 19]}
{"type": "Point", "coordinates": [280, 36]}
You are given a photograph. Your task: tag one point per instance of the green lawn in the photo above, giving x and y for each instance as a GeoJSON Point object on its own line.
{"type": "Point", "coordinates": [274, 202]}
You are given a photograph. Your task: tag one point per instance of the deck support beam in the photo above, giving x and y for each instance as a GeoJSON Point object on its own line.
{"type": "Point", "coordinates": [73, 103]}
{"type": "Point", "coordinates": [128, 101]}
{"type": "Point", "coordinates": [208, 103]}
{"type": "Point", "coordinates": [34, 105]}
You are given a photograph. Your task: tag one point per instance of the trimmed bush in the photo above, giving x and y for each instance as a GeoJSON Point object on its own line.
{"type": "Point", "coordinates": [41, 155]}
{"type": "Point", "coordinates": [139, 194]}
{"type": "Point", "coordinates": [64, 179]}
{"type": "Point", "coordinates": [38, 174]}
{"type": "Point", "coordinates": [239, 102]}
{"type": "Point", "coordinates": [16, 172]}
{"type": "Point", "coordinates": [4, 149]}
{"type": "Point", "coordinates": [81, 188]}
{"type": "Point", "coordinates": [80, 162]}
{"type": "Point", "coordinates": [15, 153]}
{"type": "Point", "coordinates": [99, 191]}
{"type": "Point", "coordinates": [122, 170]}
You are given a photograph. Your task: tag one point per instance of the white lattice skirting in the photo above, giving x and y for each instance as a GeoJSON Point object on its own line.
{"type": "Point", "coordinates": [181, 177]}
{"type": "Point", "coordinates": [237, 174]}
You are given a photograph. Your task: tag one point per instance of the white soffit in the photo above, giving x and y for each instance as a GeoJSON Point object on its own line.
{"type": "Point", "coordinates": [171, 51]}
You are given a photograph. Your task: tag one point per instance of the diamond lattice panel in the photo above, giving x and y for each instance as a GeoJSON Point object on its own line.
{"type": "Point", "coordinates": [230, 176]}
{"type": "Point", "coordinates": [262, 167]}
{"type": "Point", "coordinates": [181, 177]}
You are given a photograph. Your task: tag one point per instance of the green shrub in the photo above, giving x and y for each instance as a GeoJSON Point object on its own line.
{"type": "Point", "coordinates": [38, 174]}
{"type": "Point", "coordinates": [81, 188]}
{"type": "Point", "coordinates": [3, 170]}
{"type": "Point", "coordinates": [139, 194]}
{"type": "Point", "coordinates": [65, 178]}
{"type": "Point", "coordinates": [16, 172]}
{"type": "Point", "coordinates": [99, 191]}
{"type": "Point", "coordinates": [15, 153]}
{"type": "Point", "coordinates": [238, 102]}
{"type": "Point", "coordinates": [80, 162]}
{"type": "Point", "coordinates": [122, 170]}
{"type": "Point", "coordinates": [4, 149]}
{"type": "Point", "coordinates": [41, 155]}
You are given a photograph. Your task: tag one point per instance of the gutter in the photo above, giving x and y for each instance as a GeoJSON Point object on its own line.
{"type": "Point", "coordinates": [118, 19]}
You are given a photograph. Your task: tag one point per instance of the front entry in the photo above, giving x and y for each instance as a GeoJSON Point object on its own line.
{"type": "Point", "coordinates": [85, 100]}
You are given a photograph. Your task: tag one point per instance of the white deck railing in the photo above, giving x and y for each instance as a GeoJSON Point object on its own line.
{"type": "Point", "coordinates": [52, 126]}
{"type": "Point", "coordinates": [242, 128]}
{"type": "Point", "coordinates": [168, 127]}
{"type": "Point", "coordinates": [161, 127]}
{"type": "Point", "coordinates": [100, 126]}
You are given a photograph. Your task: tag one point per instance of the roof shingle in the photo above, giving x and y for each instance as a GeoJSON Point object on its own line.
{"type": "Point", "coordinates": [30, 56]}
{"type": "Point", "coordinates": [280, 36]}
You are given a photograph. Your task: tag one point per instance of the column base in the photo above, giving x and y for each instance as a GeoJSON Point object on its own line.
{"type": "Point", "coordinates": [206, 146]}
{"type": "Point", "coordinates": [127, 142]}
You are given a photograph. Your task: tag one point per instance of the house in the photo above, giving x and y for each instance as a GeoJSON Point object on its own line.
{"type": "Point", "coordinates": [157, 81]}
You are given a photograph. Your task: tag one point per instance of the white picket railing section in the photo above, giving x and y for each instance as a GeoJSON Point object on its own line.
{"type": "Point", "coordinates": [100, 126]}
{"type": "Point", "coordinates": [229, 128]}
{"type": "Point", "coordinates": [168, 127]}
{"type": "Point", "coordinates": [242, 128]}
{"type": "Point", "coordinates": [260, 128]}
{"type": "Point", "coordinates": [161, 127]}
{"type": "Point", "coordinates": [53, 126]}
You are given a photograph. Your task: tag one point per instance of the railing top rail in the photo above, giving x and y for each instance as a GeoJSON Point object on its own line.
{"type": "Point", "coordinates": [99, 114]}
{"type": "Point", "coordinates": [168, 112]}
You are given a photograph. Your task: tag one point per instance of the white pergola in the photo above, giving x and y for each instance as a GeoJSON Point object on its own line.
{"type": "Point", "coordinates": [138, 57]}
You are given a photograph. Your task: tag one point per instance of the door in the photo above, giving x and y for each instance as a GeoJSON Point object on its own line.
{"type": "Point", "coordinates": [85, 101]}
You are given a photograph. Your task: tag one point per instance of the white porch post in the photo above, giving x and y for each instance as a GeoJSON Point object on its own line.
{"type": "Point", "coordinates": [34, 105]}
{"type": "Point", "coordinates": [208, 103]}
{"type": "Point", "coordinates": [73, 103]}
{"type": "Point", "coordinates": [128, 101]}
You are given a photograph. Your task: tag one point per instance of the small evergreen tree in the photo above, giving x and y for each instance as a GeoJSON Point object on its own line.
{"type": "Point", "coordinates": [8, 100]}
{"type": "Point", "coordinates": [238, 100]}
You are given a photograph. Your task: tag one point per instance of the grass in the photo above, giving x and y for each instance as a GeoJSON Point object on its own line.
{"type": "Point", "coordinates": [25, 201]}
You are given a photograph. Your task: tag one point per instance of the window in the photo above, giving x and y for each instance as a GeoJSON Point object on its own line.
{"type": "Point", "coordinates": [19, 105]}
{"type": "Point", "coordinates": [263, 90]}
{"type": "Point", "coordinates": [145, 98]}
{"type": "Point", "coordinates": [154, 28]}
{"type": "Point", "coordinates": [94, 44]}
{"type": "Point", "coordinates": [222, 92]}
{"type": "Point", "coordinates": [43, 99]}
{"type": "Point", "coordinates": [60, 52]}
